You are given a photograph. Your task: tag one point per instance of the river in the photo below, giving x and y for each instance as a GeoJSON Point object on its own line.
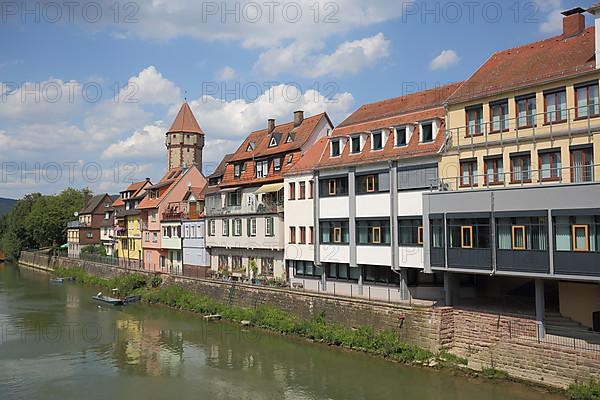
{"type": "Point", "coordinates": [56, 343]}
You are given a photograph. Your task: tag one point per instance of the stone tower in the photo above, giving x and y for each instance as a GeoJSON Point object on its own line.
{"type": "Point", "coordinates": [185, 140]}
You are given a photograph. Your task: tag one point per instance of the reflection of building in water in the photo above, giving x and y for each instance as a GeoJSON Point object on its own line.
{"type": "Point", "coordinates": [141, 347]}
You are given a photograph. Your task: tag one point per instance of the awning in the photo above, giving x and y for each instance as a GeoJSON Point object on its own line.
{"type": "Point", "coordinates": [226, 190]}
{"type": "Point", "coordinates": [273, 187]}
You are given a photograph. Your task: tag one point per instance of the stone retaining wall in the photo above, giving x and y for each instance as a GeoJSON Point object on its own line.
{"type": "Point", "coordinates": [483, 337]}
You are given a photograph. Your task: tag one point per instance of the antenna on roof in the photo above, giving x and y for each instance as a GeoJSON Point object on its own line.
{"type": "Point", "coordinates": [185, 98]}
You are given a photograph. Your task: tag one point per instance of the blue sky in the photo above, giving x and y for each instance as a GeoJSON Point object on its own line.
{"type": "Point", "coordinates": [237, 74]}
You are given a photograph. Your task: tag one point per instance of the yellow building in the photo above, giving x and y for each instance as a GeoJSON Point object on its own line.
{"type": "Point", "coordinates": [517, 213]}
{"type": "Point", "coordinates": [128, 228]}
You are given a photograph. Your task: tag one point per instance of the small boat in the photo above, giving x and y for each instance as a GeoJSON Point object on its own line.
{"type": "Point", "coordinates": [113, 301]}
{"type": "Point", "coordinates": [60, 281]}
{"type": "Point", "coordinates": [131, 299]}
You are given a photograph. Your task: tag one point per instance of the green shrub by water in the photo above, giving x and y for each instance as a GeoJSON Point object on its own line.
{"type": "Point", "coordinates": [585, 391]}
{"type": "Point", "coordinates": [127, 284]}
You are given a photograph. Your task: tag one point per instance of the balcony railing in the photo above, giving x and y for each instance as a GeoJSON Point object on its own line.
{"type": "Point", "coordinates": [541, 176]}
{"type": "Point", "coordinates": [254, 208]}
{"type": "Point", "coordinates": [566, 122]}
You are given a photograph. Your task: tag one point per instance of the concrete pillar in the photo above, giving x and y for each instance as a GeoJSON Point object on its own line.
{"type": "Point", "coordinates": [451, 288]}
{"type": "Point", "coordinates": [540, 307]}
{"type": "Point", "coordinates": [404, 292]}
{"type": "Point", "coordinates": [352, 223]}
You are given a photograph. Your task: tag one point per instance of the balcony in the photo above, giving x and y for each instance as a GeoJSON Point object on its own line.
{"type": "Point", "coordinates": [254, 208]}
{"type": "Point", "coordinates": [586, 173]}
{"type": "Point", "coordinates": [565, 123]}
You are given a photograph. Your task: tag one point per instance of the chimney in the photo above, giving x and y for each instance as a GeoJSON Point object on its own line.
{"type": "Point", "coordinates": [271, 125]}
{"type": "Point", "coordinates": [298, 117]}
{"type": "Point", "coordinates": [147, 179]}
{"type": "Point", "coordinates": [573, 22]}
{"type": "Point", "coordinates": [595, 11]}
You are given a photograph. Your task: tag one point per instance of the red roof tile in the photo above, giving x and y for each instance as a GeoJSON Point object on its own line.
{"type": "Point", "coordinates": [185, 121]}
{"type": "Point", "coordinates": [531, 64]}
{"type": "Point", "coordinates": [168, 181]}
{"type": "Point", "coordinates": [135, 187]}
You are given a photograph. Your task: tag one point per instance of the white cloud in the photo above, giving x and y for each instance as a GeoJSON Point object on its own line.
{"type": "Point", "coordinates": [150, 87]}
{"type": "Point", "coordinates": [300, 58]}
{"type": "Point", "coordinates": [226, 73]}
{"type": "Point", "coordinates": [445, 60]}
{"type": "Point", "coordinates": [552, 18]}
{"type": "Point", "coordinates": [146, 143]}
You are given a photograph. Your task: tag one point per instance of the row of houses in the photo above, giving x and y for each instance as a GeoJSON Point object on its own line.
{"type": "Point", "coordinates": [479, 190]}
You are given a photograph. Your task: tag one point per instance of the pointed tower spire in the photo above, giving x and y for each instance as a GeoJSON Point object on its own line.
{"type": "Point", "coordinates": [185, 140]}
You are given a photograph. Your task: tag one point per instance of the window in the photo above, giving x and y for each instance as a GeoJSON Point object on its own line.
{"type": "Point", "coordinates": [474, 120]}
{"type": "Point", "coordinates": [273, 142]}
{"type": "Point", "coordinates": [290, 158]}
{"type": "Point", "coordinates": [499, 116]}
{"type": "Point", "coordinates": [302, 239]}
{"type": "Point", "coordinates": [311, 235]}
{"type": "Point", "coordinates": [266, 265]}
{"type": "Point", "coordinates": [377, 140]}
{"type": "Point", "coordinates": [556, 106]}
{"type": "Point", "coordinates": [518, 237]}
{"type": "Point", "coordinates": [494, 171]}
{"type": "Point", "coordinates": [106, 215]}
{"type": "Point", "coordinates": [372, 183]}
{"type": "Point", "coordinates": [526, 109]}
{"type": "Point", "coordinates": [410, 231]}
{"type": "Point", "coordinates": [302, 190]}
{"type": "Point", "coordinates": [582, 160]}
{"type": "Point", "coordinates": [237, 227]}
{"type": "Point", "coordinates": [380, 275]}
{"type": "Point", "coordinates": [311, 189]}
{"type": "Point", "coordinates": [473, 233]}
{"type": "Point", "coordinates": [223, 261]}
{"type": "Point", "coordinates": [401, 136]}
{"type": "Point", "coordinates": [373, 232]}
{"type": "Point", "coordinates": [153, 216]}
{"type": "Point", "coordinates": [292, 192]}
{"type": "Point", "coordinates": [330, 187]}
{"type": "Point", "coordinates": [305, 269]}
{"type": "Point", "coordinates": [550, 165]}
{"type": "Point", "coordinates": [237, 170]}
{"type": "Point", "coordinates": [468, 172]}
{"type": "Point", "coordinates": [234, 199]}
{"type": "Point", "coordinates": [342, 272]}
{"type": "Point", "coordinates": [251, 146]}
{"type": "Point", "coordinates": [520, 168]}
{"type": "Point", "coordinates": [236, 264]}
{"type": "Point", "coordinates": [586, 98]}
{"type": "Point", "coordinates": [251, 227]}
{"type": "Point", "coordinates": [269, 226]}
{"type": "Point", "coordinates": [225, 227]}
{"type": "Point", "coordinates": [577, 233]}
{"type": "Point", "coordinates": [292, 234]}
{"type": "Point", "coordinates": [290, 138]}
{"type": "Point", "coordinates": [262, 169]}
{"type": "Point", "coordinates": [426, 132]}
{"type": "Point", "coordinates": [277, 164]}
{"type": "Point", "coordinates": [335, 148]}
{"type": "Point", "coordinates": [436, 227]}
{"type": "Point", "coordinates": [334, 232]}
{"type": "Point", "coordinates": [355, 144]}
{"type": "Point", "coordinates": [155, 237]}
{"type": "Point", "coordinates": [212, 227]}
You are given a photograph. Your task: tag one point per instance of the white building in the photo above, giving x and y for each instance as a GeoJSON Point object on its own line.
{"type": "Point", "coordinates": [245, 212]}
{"type": "Point", "coordinates": [354, 202]}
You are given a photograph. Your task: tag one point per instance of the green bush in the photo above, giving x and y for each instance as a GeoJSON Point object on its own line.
{"type": "Point", "coordinates": [493, 373]}
{"type": "Point", "coordinates": [585, 391]}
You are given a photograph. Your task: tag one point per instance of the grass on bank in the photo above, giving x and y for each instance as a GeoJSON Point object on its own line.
{"type": "Point", "coordinates": [383, 343]}
{"type": "Point", "coordinates": [585, 391]}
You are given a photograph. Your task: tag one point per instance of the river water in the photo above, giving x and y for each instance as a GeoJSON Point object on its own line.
{"type": "Point", "coordinates": [56, 343]}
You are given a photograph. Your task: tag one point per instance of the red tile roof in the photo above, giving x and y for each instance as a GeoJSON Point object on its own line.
{"type": "Point", "coordinates": [185, 121]}
{"type": "Point", "coordinates": [164, 186]}
{"type": "Point", "coordinates": [261, 139]}
{"type": "Point", "coordinates": [531, 64]}
{"type": "Point", "coordinates": [410, 109]}
{"type": "Point", "coordinates": [135, 187]}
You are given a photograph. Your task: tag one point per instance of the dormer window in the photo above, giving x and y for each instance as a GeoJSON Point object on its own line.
{"type": "Point", "coordinates": [427, 132]}
{"type": "Point", "coordinates": [335, 148]}
{"type": "Point", "coordinates": [237, 170]}
{"type": "Point", "coordinates": [355, 144]}
{"type": "Point", "coordinates": [273, 141]}
{"type": "Point", "coordinates": [262, 169]}
{"type": "Point", "coordinates": [277, 164]}
{"type": "Point", "coordinates": [377, 140]}
{"type": "Point", "coordinates": [290, 158]}
{"type": "Point", "coordinates": [401, 136]}
{"type": "Point", "coordinates": [251, 146]}
{"type": "Point", "coordinates": [290, 138]}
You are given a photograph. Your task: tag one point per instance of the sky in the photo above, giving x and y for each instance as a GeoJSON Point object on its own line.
{"type": "Point", "coordinates": [89, 88]}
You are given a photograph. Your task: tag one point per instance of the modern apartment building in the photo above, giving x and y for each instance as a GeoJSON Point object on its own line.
{"type": "Point", "coordinates": [518, 205]}
{"type": "Point", "coordinates": [354, 201]}
{"type": "Point", "coordinates": [245, 216]}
